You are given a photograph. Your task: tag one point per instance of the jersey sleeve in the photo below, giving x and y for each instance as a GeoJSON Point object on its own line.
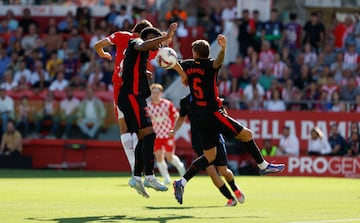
{"type": "Point", "coordinates": [118, 38]}
{"type": "Point", "coordinates": [173, 113]}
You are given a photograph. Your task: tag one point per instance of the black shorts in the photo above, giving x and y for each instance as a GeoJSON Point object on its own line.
{"type": "Point", "coordinates": [210, 125]}
{"type": "Point", "coordinates": [221, 155]}
{"type": "Point", "coordinates": [134, 109]}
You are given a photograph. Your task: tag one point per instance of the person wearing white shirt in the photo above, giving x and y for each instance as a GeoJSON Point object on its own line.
{"type": "Point", "coordinates": [23, 71]}
{"type": "Point", "coordinates": [249, 89]}
{"type": "Point", "coordinates": [9, 84]}
{"type": "Point", "coordinates": [68, 109]}
{"type": "Point", "coordinates": [124, 15]}
{"type": "Point", "coordinates": [59, 84]}
{"type": "Point", "coordinates": [91, 114]}
{"type": "Point", "coordinates": [35, 76]}
{"type": "Point", "coordinates": [288, 143]}
{"type": "Point", "coordinates": [318, 143]}
{"type": "Point", "coordinates": [7, 108]}
{"type": "Point", "coordinates": [276, 103]}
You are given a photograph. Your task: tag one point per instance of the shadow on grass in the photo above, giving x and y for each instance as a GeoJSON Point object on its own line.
{"type": "Point", "coordinates": [178, 207]}
{"type": "Point", "coordinates": [116, 218]}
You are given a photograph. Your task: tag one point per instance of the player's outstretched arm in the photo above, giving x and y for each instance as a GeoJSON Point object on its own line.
{"type": "Point", "coordinates": [221, 40]}
{"type": "Point", "coordinates": [99, 48]}
{"type": "Point", "coordinates": [182, 73]}
{"type": "Point", "coordinates": [155, 42]}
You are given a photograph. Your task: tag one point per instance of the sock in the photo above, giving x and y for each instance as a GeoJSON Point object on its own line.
{"type": "Point", "coordinates": [233, 185]}
{"type": "Point", "coordinates": [225, 191]}
{"type": "Point", "coordinates": [163, 169]}
{"type": "Point", "coordinates": [127, 142]}
{"type": "Point", "coordinates": [137, 178]}
{"type": "Point", "coordinates": [176, 162]}
{"type": "Point", "coordinates": [150, 177]}
{"type": "Point", "coordinates": [139, 164]}
{"type": "Point", "coordinates": [183, 181]}
{"type": "Point", "coordinates": [134, 139]}
{"type": "Point", "coordinates": [263, 165]}
{"type": "Point", "coordinates": [253, 149]}
{"type": "Point", "coordinates": [148, 153]}
{"type": "Point", "coordinates": [199, 164]}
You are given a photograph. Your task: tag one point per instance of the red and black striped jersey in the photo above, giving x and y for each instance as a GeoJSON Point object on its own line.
{"type": "Point", "coordinates": [202, 80]}
{"type": "Point", "coordinates": [134, 76]}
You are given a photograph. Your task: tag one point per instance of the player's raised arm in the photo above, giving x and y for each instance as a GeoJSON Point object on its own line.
{"type": "Point", "coordinates": [182, 73]}
{"type": "Point", "coordinates": [221, 40]}
{"type": "Point", "coordinates": [99, 48]}
{"type": "Point", "coordinates": [153, 43]}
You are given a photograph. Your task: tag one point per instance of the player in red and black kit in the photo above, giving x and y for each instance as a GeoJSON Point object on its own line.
{"type": "Point", "coordinates": [220, 162]}
{"type": "Point", "coordinates": [133, 94]}
{"type": "Point", "coordinates": [209, 119]}
{"type": "Point", "coordinates": [120, 40]}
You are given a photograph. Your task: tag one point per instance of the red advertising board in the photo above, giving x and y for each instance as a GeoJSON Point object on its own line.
{"type": "Point", "coordinates": [268, 125]}
{"type": "Point", "coordinates": [322, 166]}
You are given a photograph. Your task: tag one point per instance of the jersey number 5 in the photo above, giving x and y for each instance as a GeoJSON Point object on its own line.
{"type": "Point", "coordinates": [198, 92]}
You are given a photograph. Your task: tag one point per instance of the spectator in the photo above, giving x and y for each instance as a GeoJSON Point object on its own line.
{"type": "Point", "coordinates": [7, 109]}
{"type": "Point", "coordinates": [336, 104]}
{"type": "Point", "coordinates": [259, 26]}
{"type": "Point", "coordinates": [296, 103]}
{"type": "Point", "coordinates": [236, 68]}
{"type": "Point", "coordinates": [329, 54]}
{"type": "Point", "coordinates": [354, 144]}
{"type": "Point", "coordinates": [349, 92]}
{"type": "Point", "coordinates": [318, 143]}
{"type": "Point", "coordinates": [91, 114]}
{"type": "Point", "coordinates": [338, 67]}
{"type": "Point", "coordinates": [12, 23]}
{"type": "Point", "coordinates": [351, 57]}
{"type": "Point", "coordinates": [26, 21]}
{"type": "Point", "coordinates": [39, 73]}
{"type": "Point", "coordinates": [228, 15]}
{"type": "Point", "coordinates": [4, 62]}
{"type": "Point", "coordinates": [275, 103]}
{"type": "Point", "coordinates": [246, 33]}
{"type": "Point", "coordinates": [48, 115]}
{"type": "Point", "coordinates": [257, 103]}
{"type": "Point", "coordinates": [302, 82]}
{"type": "Point", "coordinates": [310, 57]}
{"type": "Point", "coordinates": [314, 32]}
{"type": "Point", "coordinates": [355, 107]}
{"type": "Point", "coordinates": [215, 22]}
{"type": "Point", "coordinates": [273, 31]}
{"type": "Point", "coordinates": [53, 40]}
{"type": "Point", "coordinates": [123, 15]}
{"type": "Point", "coordinates": [279, 68]}
{"type": "Point", "coordinates": [67, 24]}
{"type": "Point", "coordinates": [74, 39]}
{"type": "Point", "coordinates": [8, 84]}
{"type": "Point", "coordinates": [293, 34]}
{"type": "Point", "coordinates": [330, 86]}
{"type": "Point", "coordinates": [266, 56]}
{"type": "Point", "coordinates": [11, 143]}
{"type": "Point", "coordinates": [337, 142]}
{"type": "Point", "coordinates": [287, 56]}
{"type": "Point", "coordinates": [111, 15]}
{"type": "Point", "coordinates": [52, 64]}
{"type": "Point", "coordinates": [29, 41]}
{"type": "Point", "coordinates": [176, 14]}
{"type": "Point", "coordinates": [249, 89]}
{"type": "Point", "coordinates": [83, 17]}
{"type": "Point", "coordinates": [267, 78]}
{"type": "Point", "coordinates": [354, 127]}
{"type": "Point", "coordinates": [71, 65]}
{"type": "Point", "coordinates": [95, 80]}
{"type": "Point", "coordinates": [269, 149]}
{"type": "Point", "coordinates": [59, 84]}
{"type": "Point", "coordinates": [224, 83]}
{"type": "Point", "coordinates": [68, 110]}
{"type": "Point", "coordinates": [288, 143]}
{"type": "Point", "coordinates": [23, 113]}
{"type": "Point", "coordinates": [98, 35]}
{"type": "Point", "coordinates": [342, 31]}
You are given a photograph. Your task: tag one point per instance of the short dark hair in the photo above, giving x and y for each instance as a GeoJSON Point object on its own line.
{"type": "Point", "coordinates": [274, 10]}
{"type": "Point", "coordinates": [202, 48]}
{"type": "Point", "coordinates": [292, 16]}
{"type": "Point", "coordinates": [149, 30]}
{"type": "Point", "coordinates": [141, 25]}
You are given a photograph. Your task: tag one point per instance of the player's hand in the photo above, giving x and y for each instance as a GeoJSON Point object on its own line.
{"type": "Point", "coordinates": [149, 75]}
{"type": "Point", "coordinates": [172, 29]}
{"type": "Point", "coordinates": [171, 133]}
{"type": "Point", "coordinates": [221, 40]}
{"type": "Point", "coordinates": [107, 56]}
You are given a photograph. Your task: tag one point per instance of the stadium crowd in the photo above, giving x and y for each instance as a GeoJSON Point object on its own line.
{"type": "Point", "coordinates": [279, 66]}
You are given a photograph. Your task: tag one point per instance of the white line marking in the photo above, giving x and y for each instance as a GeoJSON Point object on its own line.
{"type": "Point", "coordinates": [327, 221]}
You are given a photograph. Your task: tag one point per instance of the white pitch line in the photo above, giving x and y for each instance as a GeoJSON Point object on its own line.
{"type": "Point", "coordinates": [328, 221]}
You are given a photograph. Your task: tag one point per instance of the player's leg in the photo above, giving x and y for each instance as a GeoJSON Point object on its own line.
{"type": "Point", "coordinates": [160, 160]}
{"type": "Point", "coordinates": [172, 158]}
{"type": "Point", "coordinates": [221, 165]}
{"type": "Point", "coordinates": [220, 184]}
{"type": "Point", "coordinates": [231, 128]}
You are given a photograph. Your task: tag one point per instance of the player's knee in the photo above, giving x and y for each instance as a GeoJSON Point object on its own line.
{"type": "Point", "coordinates": [245, 135]}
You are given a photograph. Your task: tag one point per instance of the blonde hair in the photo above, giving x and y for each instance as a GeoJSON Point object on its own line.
{"type": "Point", "coordinates": [156, 86]}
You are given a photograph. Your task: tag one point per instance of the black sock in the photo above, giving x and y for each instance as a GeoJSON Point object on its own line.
{"type": "Point", "coordinates": [225, 191]}
{"type": "Point", "coordinates": [232, 185]}
{"type": "Point", "coordinates": [253, 149]}
{"type": "Point", "coordinates": [199, 164]}
{"type": "Point", "coordinates": [148, 153]}
{"type": "Point", "coordinates": [139, 164]}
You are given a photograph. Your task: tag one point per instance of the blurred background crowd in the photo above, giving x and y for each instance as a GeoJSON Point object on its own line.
{"type": "Point", "coordinates": [279, 64]}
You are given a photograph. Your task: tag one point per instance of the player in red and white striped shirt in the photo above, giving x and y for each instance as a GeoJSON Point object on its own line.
{"type": "Point", "coordinates": [163, 115]}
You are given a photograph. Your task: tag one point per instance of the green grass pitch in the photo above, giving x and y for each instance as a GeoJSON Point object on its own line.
{"type": "Point", "coordinates": [87, 197]}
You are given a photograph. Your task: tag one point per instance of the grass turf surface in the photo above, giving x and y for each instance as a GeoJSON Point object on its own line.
{"type": "Point", "coordinates": [86, 197]}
